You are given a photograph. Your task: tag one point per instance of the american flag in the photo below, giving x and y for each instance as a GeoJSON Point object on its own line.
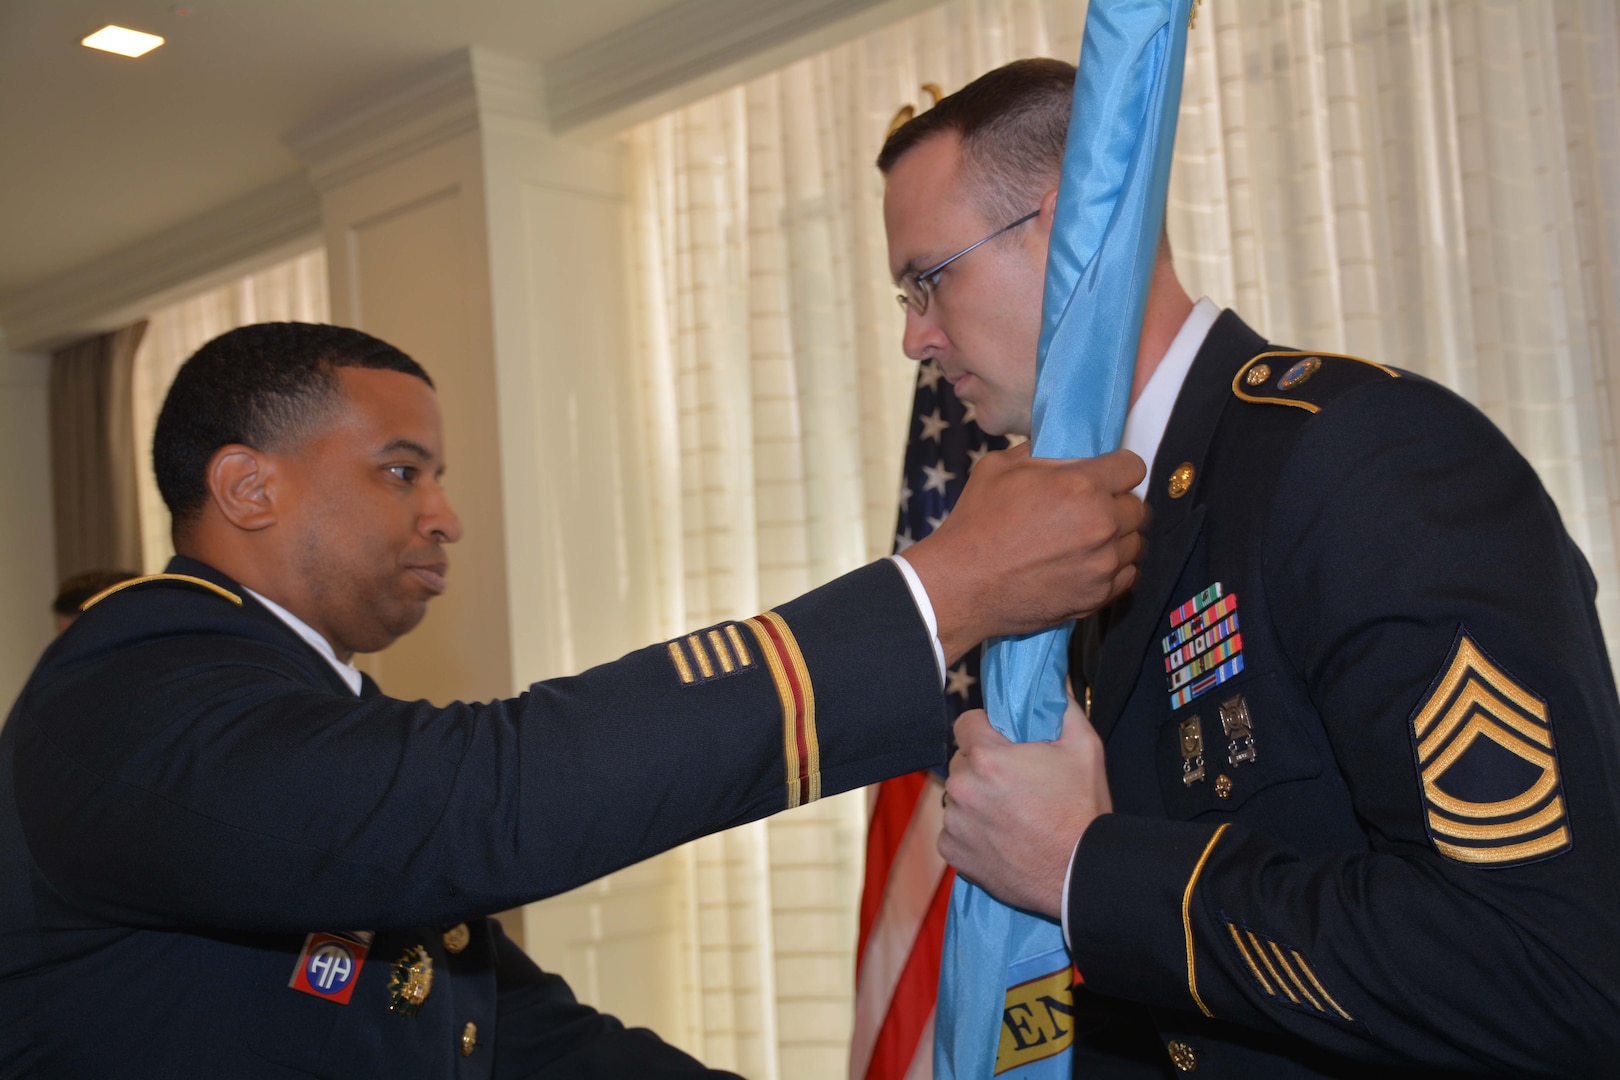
{"type": "Point", "coordinates": [908, 886]}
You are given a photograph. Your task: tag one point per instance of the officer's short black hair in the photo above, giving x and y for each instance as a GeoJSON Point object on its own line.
{"type": "Point", "coordinates": [1013, 123]}
{"type": "Point", "coordinates": [265, 386]}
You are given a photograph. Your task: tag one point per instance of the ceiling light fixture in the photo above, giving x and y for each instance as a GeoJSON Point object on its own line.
{"type": "Point", "coordinates": [124, 42]}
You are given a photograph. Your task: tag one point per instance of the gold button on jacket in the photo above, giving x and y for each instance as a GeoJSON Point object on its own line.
{"type": "Point", "coordinates": [1182, 1056]}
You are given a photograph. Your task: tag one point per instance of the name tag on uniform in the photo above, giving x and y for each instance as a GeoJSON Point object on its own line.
{"type": "Point", "coordinates": [329, 965]}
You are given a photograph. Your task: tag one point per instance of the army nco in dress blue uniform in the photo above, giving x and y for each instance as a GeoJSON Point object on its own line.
{"type": "Point", "coordinates": [217, 861]}
{"type": "Point", "coordinates": [1363, 744]}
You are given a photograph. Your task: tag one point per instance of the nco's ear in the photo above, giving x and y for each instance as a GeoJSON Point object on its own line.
{"type": "Point", "coordinates": [241, 482]}
{"type": "Point", "coordinates": [1048, 210]}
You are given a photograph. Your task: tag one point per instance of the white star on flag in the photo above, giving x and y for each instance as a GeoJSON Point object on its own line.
{"type": "Point", "coordinates": [903, 541]}
{"type": "Point", "coordinates": [936, 522]}
{"type": "Point", "coordinates": [968, 414]}
{"type": "Point", "coordinates": [933, 426]}
{"type": "Point", "coordinates": [930, 375]}
{"type": "Point", "coordinates": [974, 454]}
{"type": "Point", "coordinates": [959, 681]}
{"type": "Point", "coordinates": [937, 477]}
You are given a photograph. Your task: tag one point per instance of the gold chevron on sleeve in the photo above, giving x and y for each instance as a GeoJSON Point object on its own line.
{"type": "Point", "coordinates": [1487, 765]}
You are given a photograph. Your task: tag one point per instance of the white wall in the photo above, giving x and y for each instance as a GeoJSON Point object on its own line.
{"type": "Point", "coordinates": [27, 554]}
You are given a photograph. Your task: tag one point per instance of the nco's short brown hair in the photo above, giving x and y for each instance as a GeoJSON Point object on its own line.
{"type": "Point", "coordinates": [1013, 123]}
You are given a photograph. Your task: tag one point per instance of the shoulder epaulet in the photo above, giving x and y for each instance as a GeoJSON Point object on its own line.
{"type": "Point", "coordinates": [1303, 380]}
{"type": "Point", "coordinates": [185, 579]}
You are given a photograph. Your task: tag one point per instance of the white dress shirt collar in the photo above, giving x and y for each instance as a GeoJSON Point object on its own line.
{"type": "Point", "coordinates": [1145, 423]}
{"type": "Point", "coordinates": [347, 672]}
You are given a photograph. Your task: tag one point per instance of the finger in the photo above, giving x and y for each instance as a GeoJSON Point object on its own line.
{"type": "Point", "coordinates": [1073, 707]}
{"type": "Point", "coordinates": [1128, 548]}
{"type": "Point", "coordinates": [1121, 470]}
{"type": "Point", "coordinates": [972, 729]}
{"type": "Point", "coordinates": [1124, 580]}
{"type": "Point", "coordinates": [1129, 513]}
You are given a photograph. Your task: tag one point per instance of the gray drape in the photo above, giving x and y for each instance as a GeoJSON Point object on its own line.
{"type": "Point", "coordinates": [93, 453]}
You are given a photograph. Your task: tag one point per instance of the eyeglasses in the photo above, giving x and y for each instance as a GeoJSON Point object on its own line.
{"type": "Point", "coordinates": [915, 289]}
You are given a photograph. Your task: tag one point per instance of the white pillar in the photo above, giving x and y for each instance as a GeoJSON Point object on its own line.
{"type": "Point", "coordinates": [459, 229]}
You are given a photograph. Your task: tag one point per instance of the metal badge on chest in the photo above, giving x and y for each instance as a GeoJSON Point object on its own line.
{"type": "Point", "coordinates": [1203, 650]}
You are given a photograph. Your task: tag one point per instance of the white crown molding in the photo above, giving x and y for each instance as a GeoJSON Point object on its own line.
{"type": "Point", "coordinates": [697, 46]}
{"type": "Point", "coordinates": [679, 54]}
{"type": "Point", "coordinates": [441, 101]}
{"type": "Point", "coordinates": [130, 282]}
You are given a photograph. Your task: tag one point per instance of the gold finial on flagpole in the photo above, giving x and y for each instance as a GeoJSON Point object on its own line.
{"type": "Point", "coordinates": [1192, 14]}
{"type": "Point", "coordinates": [905, 112]}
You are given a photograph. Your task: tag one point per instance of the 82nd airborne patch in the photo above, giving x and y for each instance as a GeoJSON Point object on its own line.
{"type": "Point", "coordinates": [1487, 765]}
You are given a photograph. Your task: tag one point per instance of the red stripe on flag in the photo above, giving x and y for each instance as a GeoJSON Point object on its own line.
{"type": "Point", "coordinates": [913, 1000]}
{"type": "Point", "coordinates": [896, 799]}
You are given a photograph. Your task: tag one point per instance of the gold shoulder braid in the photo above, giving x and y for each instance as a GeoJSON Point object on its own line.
{"type": "Point", "coordinates": [186, 578]}
{"type": "Point", "coordinates": [1254, 378]}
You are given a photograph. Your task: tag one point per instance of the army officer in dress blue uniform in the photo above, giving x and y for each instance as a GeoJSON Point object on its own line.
{"type": "Point", "coordinates": [1348, 800]}
{"type": "Point", "coordinates": [223, 853]}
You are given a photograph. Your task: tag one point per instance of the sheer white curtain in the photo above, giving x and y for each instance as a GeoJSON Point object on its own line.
{"type": "Point", "coordinates": [1430, 184]}
{"type": "Point", "coordinates": [290, 291]}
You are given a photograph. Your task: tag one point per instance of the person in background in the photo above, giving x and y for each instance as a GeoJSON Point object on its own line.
{"type": "Point", "coordinates": [81, 587]}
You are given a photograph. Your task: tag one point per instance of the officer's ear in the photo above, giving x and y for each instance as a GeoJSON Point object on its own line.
{"type": "Point", "coordinates": [241, 481]}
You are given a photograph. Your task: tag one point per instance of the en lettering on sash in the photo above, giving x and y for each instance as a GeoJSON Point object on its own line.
{"type": "Point", "coordinates": [1037, 1019]}
{"type": "Point", "coordinates": [329, 965]}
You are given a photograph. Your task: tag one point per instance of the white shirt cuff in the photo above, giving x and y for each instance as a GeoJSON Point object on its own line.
{"type": "Point", "coordinates": [925, 608]}
{"type": "Point", "coordinates": [1067, 876]}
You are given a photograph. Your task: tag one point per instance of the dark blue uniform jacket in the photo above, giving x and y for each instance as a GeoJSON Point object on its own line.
{"type": "Point", "coordinates": [188, 790]}
{"type": "Point", "coordinates": [1363, 743]}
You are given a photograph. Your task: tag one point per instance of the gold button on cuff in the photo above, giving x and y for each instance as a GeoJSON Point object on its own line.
{"type": "Point", "coordinates": [456, 938]}
{"type": "Point", "coordinates": [469, 1039]}
{"type": "Point", "coordinates": [1258, 374]}
{"type": "Point", "coordinates": [1182, 1056]}
{"type": "Point", "coordinates": [1181, 480]}
{"type": "Point", "coordinates": [1223, 786]}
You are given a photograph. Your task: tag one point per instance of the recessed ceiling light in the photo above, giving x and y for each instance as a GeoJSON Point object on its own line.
{"type": "Point", "coordinates": [117, 39]}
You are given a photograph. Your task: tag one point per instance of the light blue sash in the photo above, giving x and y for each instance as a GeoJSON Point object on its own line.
{"type": "Point", "coordinates": [1116, 171]}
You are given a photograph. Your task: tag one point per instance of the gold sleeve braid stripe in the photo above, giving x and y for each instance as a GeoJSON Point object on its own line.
{"type": "Point", "coordinates": [1186, 920]}
{"type": "Point", "coordinates": [185, 578]}
{"type": "Point", "coordinates": [709, 654]}
{"type": "Point", "coordinates": [800, 750]}
{"type": "Point", "coordinates": [1292, 979]}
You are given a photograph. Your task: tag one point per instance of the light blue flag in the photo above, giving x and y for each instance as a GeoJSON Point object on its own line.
{"type": "Point", "coordinates": [1116, 171]}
